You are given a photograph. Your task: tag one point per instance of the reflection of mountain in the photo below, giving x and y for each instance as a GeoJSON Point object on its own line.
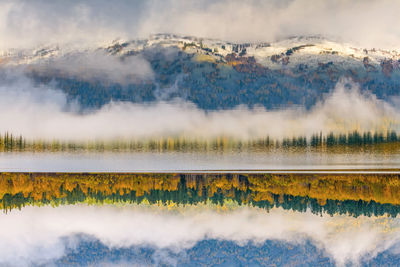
{"type": "Point", "coordinates": [220, 252]}
{"type": "Point", "coordinates": [353, 194]}
{"type": "Point", "coordinates": [212, 74]}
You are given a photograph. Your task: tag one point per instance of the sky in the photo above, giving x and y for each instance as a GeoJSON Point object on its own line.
{"type": "Point", "coordinates": [368, 23]}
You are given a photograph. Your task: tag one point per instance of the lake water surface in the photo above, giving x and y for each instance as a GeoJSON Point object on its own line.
{"type": "Point", "coordinates": [212, 161]}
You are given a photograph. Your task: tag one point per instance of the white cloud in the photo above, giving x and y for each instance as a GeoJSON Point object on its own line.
{"type": "Point", "coordinates": [97, 66]}
{"type": "Point", "coordinates": [367, 23]}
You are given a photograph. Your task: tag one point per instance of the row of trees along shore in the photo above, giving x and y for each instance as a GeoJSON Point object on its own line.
{"type": "Point", "coordinates": [10, 142]}
{"type": "Point", "coordinates": [350, 194]}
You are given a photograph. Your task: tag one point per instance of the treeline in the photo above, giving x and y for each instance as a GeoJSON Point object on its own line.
{"type": "Point", "coordinates": [354, 138]}
{"type": "Point", "coordinates": [9, 142]}
{"type": "Point", "coordinates": [355, 195]}
{"type": "Point", "coordinates": [189, 196]}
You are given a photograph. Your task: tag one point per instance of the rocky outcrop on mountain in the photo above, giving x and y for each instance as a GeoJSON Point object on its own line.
{"type": "Point", "coordinates": [387, 67]}
{"type": "Point", "coordinates": [246, 64]}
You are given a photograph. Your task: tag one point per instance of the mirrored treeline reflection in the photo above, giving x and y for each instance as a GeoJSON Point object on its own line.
{"type": "Point", "coordinates": [351, 194]}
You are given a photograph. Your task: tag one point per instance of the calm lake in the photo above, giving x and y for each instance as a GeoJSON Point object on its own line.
{"type": "Point", "coordinates": [211, 161]}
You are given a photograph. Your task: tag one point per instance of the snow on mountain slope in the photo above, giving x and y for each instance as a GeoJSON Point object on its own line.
{"type": "Point", "coordinates": [289, 52]}
{"type": "Point", "coordinates": [210, 73]}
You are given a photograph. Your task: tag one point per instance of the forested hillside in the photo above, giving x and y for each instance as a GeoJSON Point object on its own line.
{"type": "Point", "coordinates": [219, 75]}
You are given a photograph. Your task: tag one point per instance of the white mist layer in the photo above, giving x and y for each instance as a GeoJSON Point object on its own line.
{"type": "Point", "coordinates": [37, 235]}
{"type": "Point", "coordinates": [42, 112]}
{"type": "Point", "coordinates": [97, 66]}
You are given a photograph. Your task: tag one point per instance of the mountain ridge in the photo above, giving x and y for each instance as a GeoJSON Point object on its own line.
{"type": "Point", "coordinates": [210, 73]}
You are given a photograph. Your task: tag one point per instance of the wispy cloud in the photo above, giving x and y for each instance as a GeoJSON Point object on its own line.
{"type": "Point", "coordinates": [367, 23]}
{"type": "Point", "coordinates": [96, 66]}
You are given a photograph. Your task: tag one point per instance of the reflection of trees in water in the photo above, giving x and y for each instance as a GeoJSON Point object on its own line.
{"type": "Point", "coordinates": [353, 194]}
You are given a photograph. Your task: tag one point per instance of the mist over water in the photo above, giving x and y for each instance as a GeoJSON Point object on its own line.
{"type": "Point", "coordinates": [43, 112]}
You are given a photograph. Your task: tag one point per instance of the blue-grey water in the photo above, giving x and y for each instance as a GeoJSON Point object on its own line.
{"type": "Point", "coordinates": [213, 161]}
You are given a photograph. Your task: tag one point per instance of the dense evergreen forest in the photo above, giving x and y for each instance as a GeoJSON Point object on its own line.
{"type": "Point", "coordinates": [389, 141]}
{"type": "Point", "coordinates": [355, 195]}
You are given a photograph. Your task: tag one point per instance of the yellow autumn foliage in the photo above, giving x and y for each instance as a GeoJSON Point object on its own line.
{"type": "Point", "coordinates": [367, 187]}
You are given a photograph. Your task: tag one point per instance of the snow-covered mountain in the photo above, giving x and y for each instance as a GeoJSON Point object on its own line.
{"type": "Point", "coordinates": [211, 73]}
{"type": "Point", "coordinates": [291, 52]}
